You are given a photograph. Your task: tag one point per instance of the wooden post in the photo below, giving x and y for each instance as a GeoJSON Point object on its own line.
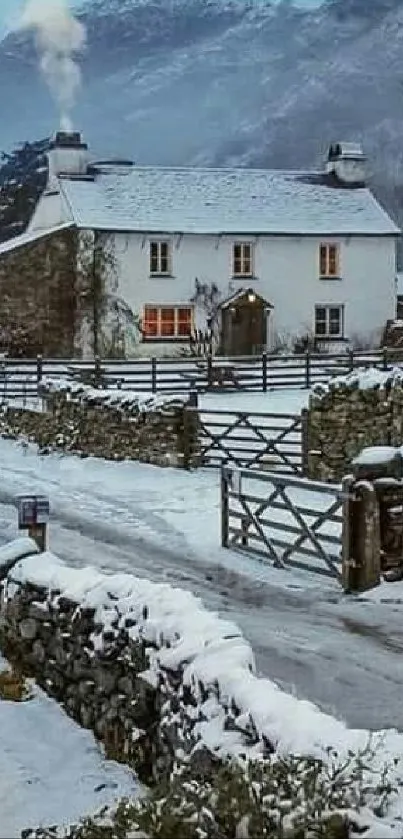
{"type": "Point", "coordinates": [307, 370]}
{"type": "Point", "coordinates": [39, 534]}
{"type": "Point", "coordinates": [224, 508]}
{"type": "Point", "coordinates": [39, 368]}
{"type": "Point", "coordinates": [305, 442]}
{"type": "Point", "coordinates": [209, 370]}
{"type": "Point", "coordinates": [97, 371]}
{"type": "Point", "coordinates": [193, 397]}
{"type": "Point", "coordinates": [361, 552]}
{"type": "Point", "coordinates": [351, 361]}
{"type": "Point", "coordinates": [264, 372]}
{"type": "Point", "coordinates": [385, 358]}
{"type": "Point", "coordinates": [154, 375]}
{"type": "Point", "coordinates": [190, 431]}
{"type": "Point", "coordinates": [244, 529]}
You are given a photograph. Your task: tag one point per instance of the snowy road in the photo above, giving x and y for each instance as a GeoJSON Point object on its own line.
{"type": "Point", "coordinates": [342, 654]}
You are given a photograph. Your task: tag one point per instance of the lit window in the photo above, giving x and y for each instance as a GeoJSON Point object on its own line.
{"type": "Point", "coordinates": [329, 321]}
{"type": "Point", "coordinates": [242, 260]}
{"type": "Point", "coordinates": [167, 322]}
{"type": "Point", "coordinates": [160, 262]}
{"type": "Point", "coordinates": [329, 261]}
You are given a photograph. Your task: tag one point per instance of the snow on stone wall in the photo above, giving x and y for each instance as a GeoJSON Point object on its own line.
{"type": "Point", "coordinates": [115, 425]}
{"type": "Point", "coordinates": [350, 413]}
{"type": "Point", "coordinates": [154, 674]}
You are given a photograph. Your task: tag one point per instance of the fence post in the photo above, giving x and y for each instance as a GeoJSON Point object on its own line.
{"type": "Point", "coordinates": [154, 374]}
{"type": "Point", "coordinates": [193, 397]}
{"type": "Point", "coordinates": [209, 370]}
{"type": "Point", "coordinates": [351, 361]}
{"type": "Point", "coordinates": [264, 372]}
{"type": "Point", "coordinates": [307, 370]}
{"type": "Point", "coordinates": [39, 368]}
{"type": "Point", "coordinates": [97, 371]}
{"type": "Point", "coordinates": [305, 442]}
{"type": "Point", "coordinates": [224, 508]}
{"type": "Point", "coordinates": [385, 358]}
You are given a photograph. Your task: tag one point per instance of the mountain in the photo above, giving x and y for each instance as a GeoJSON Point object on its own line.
{"type": "Point", "coordinates": [245, 82]}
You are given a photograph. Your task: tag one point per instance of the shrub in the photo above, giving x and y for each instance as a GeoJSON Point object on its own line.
{"type": "Point", "coordinates": [276, 798]}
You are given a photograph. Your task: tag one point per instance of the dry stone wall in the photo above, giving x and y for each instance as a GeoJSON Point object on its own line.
{"type": "Point", "coordinates": [139, 663]}
{"type": "Point", "coordinates": [115, 425]}
{"type": "Point", "coordinates": [350, 413]}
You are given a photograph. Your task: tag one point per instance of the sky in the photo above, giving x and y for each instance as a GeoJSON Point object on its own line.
{"type": "Point", "coordinates": [10, 10]}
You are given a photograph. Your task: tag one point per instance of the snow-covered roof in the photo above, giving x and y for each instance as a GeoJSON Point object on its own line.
{"type": "Point", "coordinates": [29, 238]}
{"type": "Point", "coordinates": [233, 201]}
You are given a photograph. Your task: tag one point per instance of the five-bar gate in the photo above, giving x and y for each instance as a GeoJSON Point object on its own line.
{"type": "Point", "coordinates": [255, 440]}
{"type": "Point", "coordinates": [288, 520]}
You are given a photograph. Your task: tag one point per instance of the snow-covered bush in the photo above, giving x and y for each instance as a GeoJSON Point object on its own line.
{"type": "Point", "coordinates": [276, 798]}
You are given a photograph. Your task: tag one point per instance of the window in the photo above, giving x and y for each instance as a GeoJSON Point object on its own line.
{"type": "Point", "coordinates": [167, 322]}
{"type": "Point", "coordinates": [242, 260]}
{"type": "Point", "coordinates": [329, 322]}
{"type": "Point", "coordinates": [160, 261]}
{"type": "Point", "coordinates": [329, 261]}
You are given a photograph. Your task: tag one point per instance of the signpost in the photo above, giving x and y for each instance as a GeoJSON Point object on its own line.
{"type": "Point", "coordinates": [33, 515]}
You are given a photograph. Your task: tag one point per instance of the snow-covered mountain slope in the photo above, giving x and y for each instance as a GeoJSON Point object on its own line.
{"type": "Point", "coordinates": [225, 81]}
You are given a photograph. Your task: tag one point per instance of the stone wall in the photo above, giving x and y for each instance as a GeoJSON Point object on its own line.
{"type": "Point", "coordinates": [115, 425]}
{"type": "Point", "coordinates": [141, 664]}
{"type": "Point", "coordinates": [38, 297]}
{"type": "Point", "coordinates": [349, 414]}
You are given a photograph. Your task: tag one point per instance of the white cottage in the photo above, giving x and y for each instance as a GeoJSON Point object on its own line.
{"type": "Point", "coordinates": [261, 257]}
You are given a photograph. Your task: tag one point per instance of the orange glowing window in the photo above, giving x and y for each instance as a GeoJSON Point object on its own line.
{"type": "Point", "coordinates": [167, 321]}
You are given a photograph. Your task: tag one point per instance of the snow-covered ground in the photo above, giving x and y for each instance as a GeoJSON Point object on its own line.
{"type": "Point", "coordinates": [51, 770]}
{"type": "Point", "coordinates": [274, 401]}
{"type": "Point", "coordinates": [339, 652]}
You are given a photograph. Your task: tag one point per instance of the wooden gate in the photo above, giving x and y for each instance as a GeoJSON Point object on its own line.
{"type": "Point", "coordinates": [290, 521]}
{"type": "Point", "coordinates": [254, 440]}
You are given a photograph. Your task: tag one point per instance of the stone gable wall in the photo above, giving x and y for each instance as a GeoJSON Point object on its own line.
{"type": "Point", "coordinates": [39, 297]}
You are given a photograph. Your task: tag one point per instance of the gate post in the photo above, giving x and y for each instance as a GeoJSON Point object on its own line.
{"type": "Point", "coordinates": [224, 508]}
{"type": "Point", "coordinates": [361, 540]}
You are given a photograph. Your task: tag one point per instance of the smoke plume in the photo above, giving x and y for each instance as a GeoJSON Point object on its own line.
{"type": "Point", "coordinates": [59, 38]}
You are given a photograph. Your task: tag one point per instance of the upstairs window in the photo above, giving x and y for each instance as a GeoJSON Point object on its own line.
{"type": "Point", "coordinates": [242, 265]}
{"type": "Point", "coordinates": [167, 322]}
{"type": "Point", "coordinates": [329, 267]}
{"type": "Point", "coordinates": [160, 258]}
{"type": "Point", "coordinates": [329, 322]}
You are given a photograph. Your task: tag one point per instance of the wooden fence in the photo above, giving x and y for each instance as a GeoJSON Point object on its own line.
{"type": "Point", "coordinates": [287, 520]}
{"type": "Point", "coordinates": [19, 377]}
{"type": "Point", "coordinates": [254, 440]}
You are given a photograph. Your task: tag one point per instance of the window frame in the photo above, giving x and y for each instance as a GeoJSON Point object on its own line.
{"type": "Point", "coordinates": [328, 335]}
{"type": "Point", "coordinates": [177, 321]}
{"type": "Point", "coordinates": [325, 252]}
{"type": "Point", "coordinates": [159, 244]}
{"type": "Point", "coordinates": [243, 259]}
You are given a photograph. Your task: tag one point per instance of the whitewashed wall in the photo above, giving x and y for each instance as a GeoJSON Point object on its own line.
{"type": "Point", "coordinates": [286, 275]}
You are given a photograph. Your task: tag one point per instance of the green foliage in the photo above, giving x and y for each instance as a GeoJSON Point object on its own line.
{"type": "Point", "coordinates": [277, 798]}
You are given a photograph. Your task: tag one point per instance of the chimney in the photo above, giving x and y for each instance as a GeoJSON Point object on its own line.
{"type": "Point", "coordinates": [68, 155]}
{"type": "Point", "coordinates": [347, 163]}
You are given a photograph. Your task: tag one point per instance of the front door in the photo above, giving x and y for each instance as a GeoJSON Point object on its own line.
{"type": "Point", "coordinates": [244, 328]}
